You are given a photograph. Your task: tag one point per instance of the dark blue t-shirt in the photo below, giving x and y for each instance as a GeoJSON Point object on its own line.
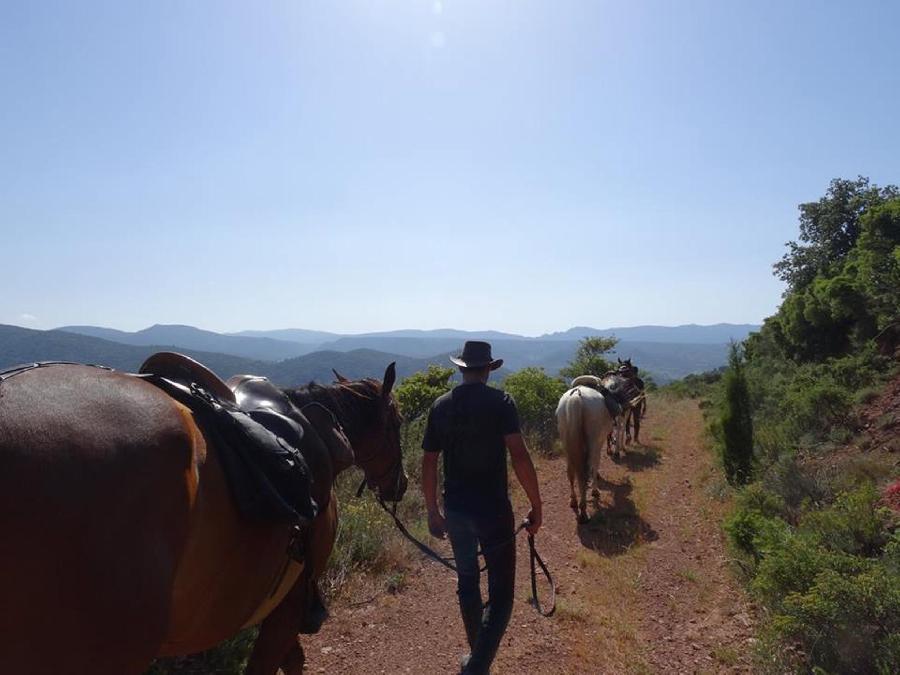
{"type": "Point", "coordinates": [468, 425]}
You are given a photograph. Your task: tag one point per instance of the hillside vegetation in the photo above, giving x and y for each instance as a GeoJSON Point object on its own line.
{"type": "Point", "coordinates": [815, 525]}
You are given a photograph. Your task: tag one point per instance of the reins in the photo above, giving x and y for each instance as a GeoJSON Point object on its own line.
{"type": "Point", "coordinates": [535, 559]}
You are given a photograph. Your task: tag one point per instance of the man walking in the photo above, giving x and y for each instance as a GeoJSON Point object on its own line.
{"type": "Point", "coordinates": [473, 426]}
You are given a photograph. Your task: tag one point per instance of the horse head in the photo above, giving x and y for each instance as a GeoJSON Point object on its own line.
{"type": "Point", "coordinates": [626, 369]}
{"type": "Point", "coordinates": [380, 456]}
{"type": "Point", "coordinates": [369, 415]}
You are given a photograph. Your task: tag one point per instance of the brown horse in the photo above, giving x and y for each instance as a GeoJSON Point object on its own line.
{"type": "Point", "coordinates": [120, 539]}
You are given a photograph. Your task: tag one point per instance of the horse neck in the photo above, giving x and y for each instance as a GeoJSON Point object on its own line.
{"type": "Point", "coordinates": [354, 410]}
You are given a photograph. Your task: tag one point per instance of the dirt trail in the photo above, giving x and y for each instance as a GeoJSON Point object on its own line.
{"type": "Point", "coordinates": [643, 588]}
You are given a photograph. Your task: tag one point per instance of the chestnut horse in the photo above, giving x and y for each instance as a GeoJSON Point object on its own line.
{"type": "Point", "coordinates": [120, 541]}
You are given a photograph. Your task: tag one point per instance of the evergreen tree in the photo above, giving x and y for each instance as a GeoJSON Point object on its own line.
{"type": "Point", "coordinates": [736, 422]}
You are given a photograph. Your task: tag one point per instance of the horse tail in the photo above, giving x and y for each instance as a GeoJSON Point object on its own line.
{"type": "Point", "coordinates": [572, 432]}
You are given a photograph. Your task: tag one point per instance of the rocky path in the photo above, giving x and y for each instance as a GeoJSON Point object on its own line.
{"type": "Point", "coordinates": [643, 588]}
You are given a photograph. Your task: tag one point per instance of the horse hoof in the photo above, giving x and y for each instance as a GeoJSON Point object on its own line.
{"type": "Point", "coordinates": [582, 518]}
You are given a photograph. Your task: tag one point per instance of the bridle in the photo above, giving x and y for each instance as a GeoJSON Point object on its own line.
{"type": "Point", "coordinates": [395, 467]}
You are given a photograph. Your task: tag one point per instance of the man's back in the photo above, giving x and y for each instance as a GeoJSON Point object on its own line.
{"type": "Point", "coordinates": [468, 425]}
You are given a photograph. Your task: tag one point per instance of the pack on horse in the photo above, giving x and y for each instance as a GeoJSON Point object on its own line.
{"type": "Point", "coordinates": [121, 540]}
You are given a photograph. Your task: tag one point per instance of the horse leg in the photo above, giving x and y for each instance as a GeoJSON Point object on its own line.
{"type": "Point", "coordinates": [620, 440]}
{"type": "Point", "coordinates": [573, 500]}
{"type": "Point", "coordinates": [582, 504]}
{"type": "Point", "coordinates": [293, 662]}
{"type": "Point", "coordinates": [594, 453]}
{"type": "Point", "coordinates": [277, 639]}
{"type": "Point", "coordinates": [628, 418]}
{"type": "Point", "coordinates": [637, 424]}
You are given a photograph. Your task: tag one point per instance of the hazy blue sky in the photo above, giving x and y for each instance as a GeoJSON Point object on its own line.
{"type": "Point", "coordinates": [524, 166]}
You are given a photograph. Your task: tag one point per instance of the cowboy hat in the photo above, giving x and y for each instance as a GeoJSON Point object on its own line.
{"type": "Point", "coordinates": [476, 354]}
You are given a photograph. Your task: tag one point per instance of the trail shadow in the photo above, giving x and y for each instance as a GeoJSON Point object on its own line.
{"type": "Point", "coordinates": [638, 457]}
{"type": "Point", "coordinates": [614, 528]}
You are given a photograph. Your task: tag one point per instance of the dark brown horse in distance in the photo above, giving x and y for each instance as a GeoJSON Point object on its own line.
{"type": "Point", "coordinates": [120, 541]}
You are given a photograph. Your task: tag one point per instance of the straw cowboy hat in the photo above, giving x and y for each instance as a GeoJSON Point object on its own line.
{"type": "Point", "coordinates": [476, 354]}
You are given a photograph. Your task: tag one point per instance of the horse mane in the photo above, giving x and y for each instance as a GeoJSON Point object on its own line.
{"type": "Point", "coordinates": [354, 403]}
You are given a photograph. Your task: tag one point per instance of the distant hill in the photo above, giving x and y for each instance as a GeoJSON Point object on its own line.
{"type": "Point", "coordinates": [445, 333]}
{"type": "Point", "coordinates": [720, 333]}
{"type": "Point", "coordinates": [353, 364]}
{"type": "Point", "coordinates": [293, 355]}
{"type": "Point", "coordinates": [23, 345]}
{"type": "Point", "coordinates": [302, 335]}
{"type": "Point", "coordinates": [188, 337]}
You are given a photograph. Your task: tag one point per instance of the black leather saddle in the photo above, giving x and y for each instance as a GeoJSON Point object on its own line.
{"type": "Point", "coordinates": [258, 446]}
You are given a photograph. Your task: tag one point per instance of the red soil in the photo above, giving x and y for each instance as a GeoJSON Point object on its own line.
{"type": "Point", "coordinates": [645, 587]}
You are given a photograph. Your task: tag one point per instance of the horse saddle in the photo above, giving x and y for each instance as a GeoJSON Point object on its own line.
{"type": "Point", "coordinates": [324, 438]}
{"type": "Point", "coordinates": [259, 449]}
{"type": "Point", "coordinates": [613, 404]}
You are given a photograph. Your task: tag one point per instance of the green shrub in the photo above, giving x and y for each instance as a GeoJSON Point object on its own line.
{"type": "Point", "coordinates": [698, 385]}
{"type": "Point", "coordinates": [794, 487]}
{"type": "Point", "coordinates": [854, 524]}
{"type": "Point", "coordinates": [847, 623]}
{"type": "Point", "coordinates": [791, 564]}
{"type": "Point", "coordinates": [736, 422]}
{"type": "Point", "coordinates": [416, 393]}
{"type": "Point", "coordinates": [228, 658]}
{"type": "Point", "coordinates": [362, 531]}
{"type": "Point", "coordinates": [818, 404]}
{"type": "Point", "coordinates": [536, 395]}
{"type": "Point", "coordinates": [755, 524]}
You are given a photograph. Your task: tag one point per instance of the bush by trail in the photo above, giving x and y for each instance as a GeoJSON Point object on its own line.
{"type": "Point", "coordinates": [818, 545]}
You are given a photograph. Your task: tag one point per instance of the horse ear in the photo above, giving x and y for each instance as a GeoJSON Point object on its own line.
{"type": "Point", "coordinates": [340, 378]}
{"type": "Point", "coordinates": [618, 359]}
{"type": "Point", "coordinates": [390, 376]}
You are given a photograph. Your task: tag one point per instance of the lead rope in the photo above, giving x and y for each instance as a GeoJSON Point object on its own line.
{"type": "Point", "coordinates": [535, 559]}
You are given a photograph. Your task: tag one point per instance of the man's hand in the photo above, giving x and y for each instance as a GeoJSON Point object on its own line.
{"type": "Point", "coordinates": [437, 525]}
{"type": "Point", "coordinates": [534, 519]}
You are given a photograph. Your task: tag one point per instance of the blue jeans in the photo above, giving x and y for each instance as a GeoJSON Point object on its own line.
{"type": "Point", "coordinates": [485, 624]}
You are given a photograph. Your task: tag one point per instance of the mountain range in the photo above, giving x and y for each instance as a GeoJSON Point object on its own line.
{"type": "Point", "coordinates": [294, 356]}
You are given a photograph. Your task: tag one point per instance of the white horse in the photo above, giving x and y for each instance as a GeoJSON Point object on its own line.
{"type": "Point", "coordinates": [584, 425]}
